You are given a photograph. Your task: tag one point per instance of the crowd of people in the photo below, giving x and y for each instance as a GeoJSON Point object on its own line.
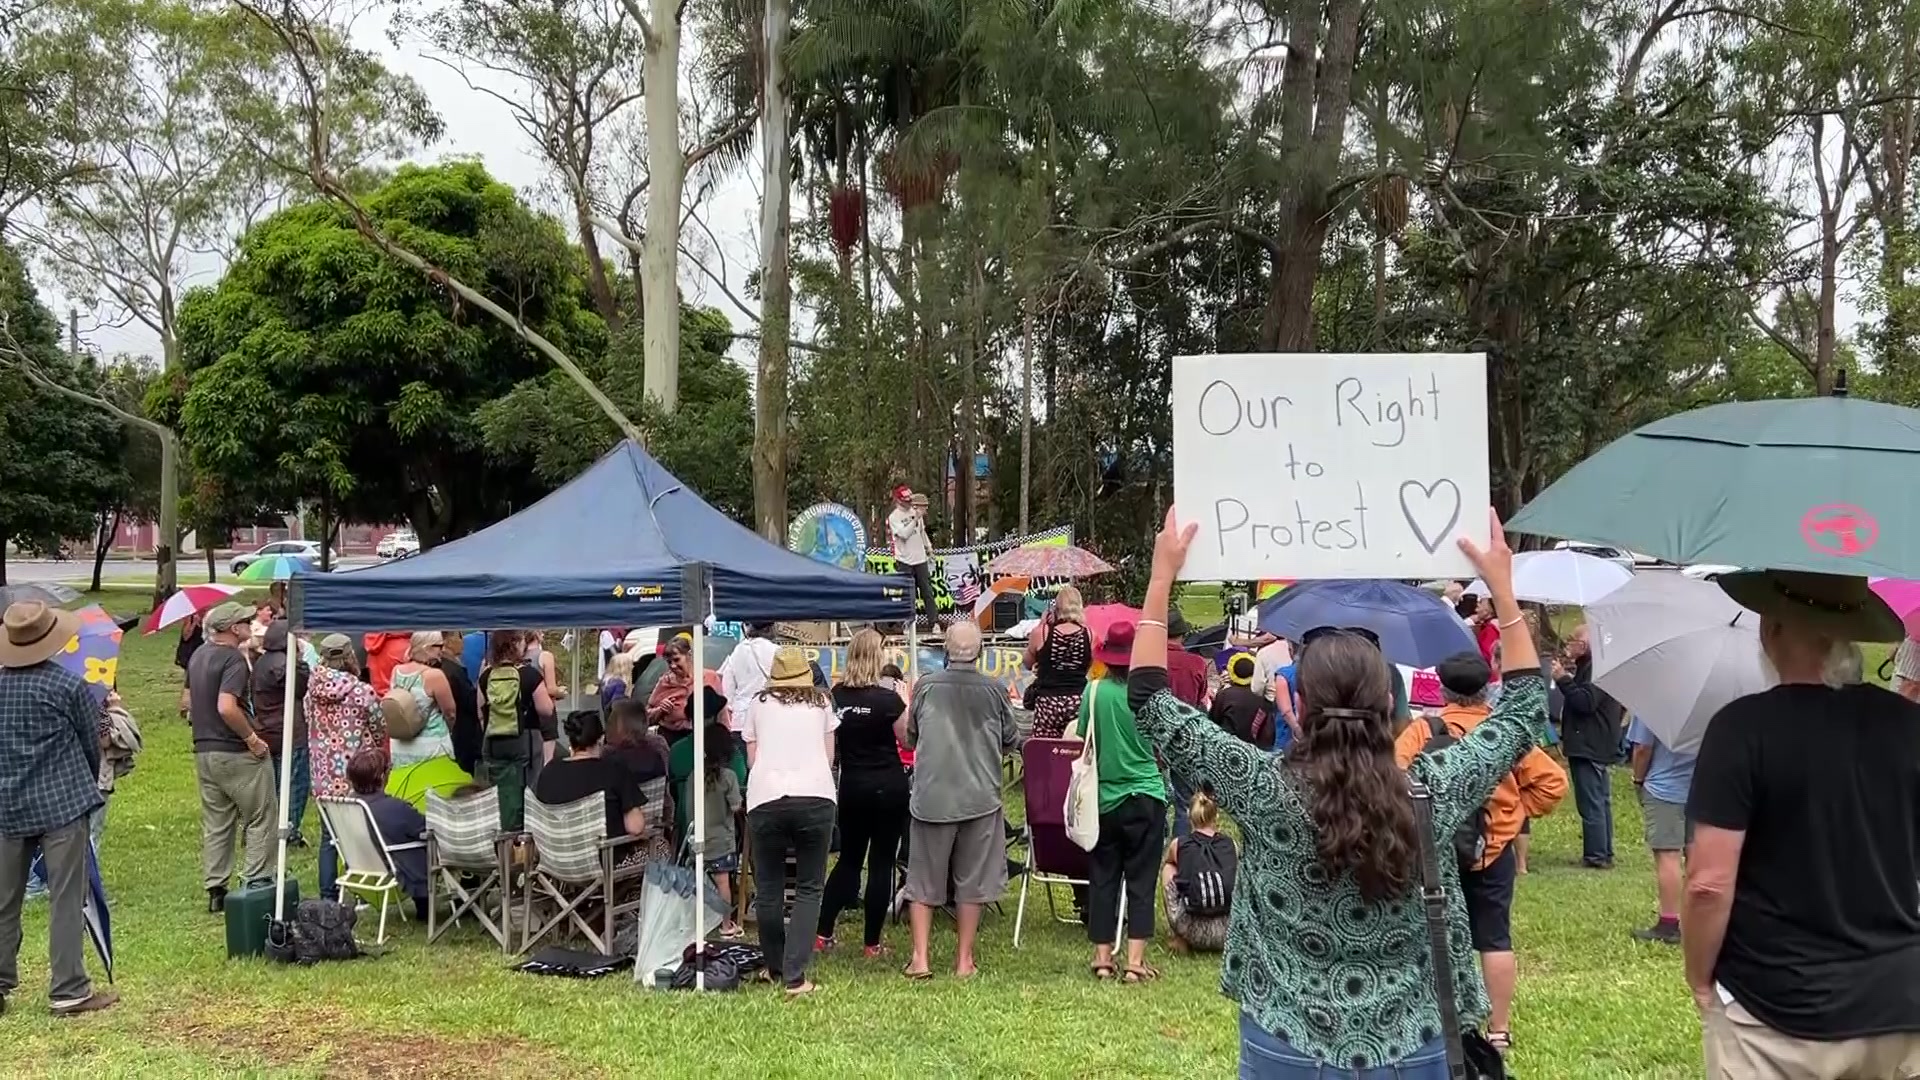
{"type": "Point", "coordinates": [1275, 802]}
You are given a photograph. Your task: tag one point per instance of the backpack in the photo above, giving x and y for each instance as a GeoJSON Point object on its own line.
{"type": "Point", "coordinates": [403, 714]}
{"type": "Point", "coordinates": [1470, 839]}
{"type": "Point", "coordinates": [1205, 871]}
{"type": "Point", "coordinates": [501, 684]}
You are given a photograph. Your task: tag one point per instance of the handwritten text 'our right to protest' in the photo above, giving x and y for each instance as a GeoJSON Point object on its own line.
{"type": "Point", "coordinates": [1363, 416]}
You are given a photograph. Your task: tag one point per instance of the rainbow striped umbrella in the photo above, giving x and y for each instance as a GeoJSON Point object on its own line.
{"type": "Point", "coordinates": [274, 568]}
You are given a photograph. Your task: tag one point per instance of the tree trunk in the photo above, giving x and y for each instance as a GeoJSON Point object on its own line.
{"type": "Point", "coordinates": [1287, 325]}
{"type": "Point", "coordinates": [1826, 335]}
{"type": "Point", "coordinates": [213, 568]}
{"type": "Point", "coordinates": [166, 539]}
{"type": "Point", "coordinates": [3, 559]}
{"type": "Point", "coordinates": [1026, 412]}
{"type": "Point", "coordinates": [598, 285]}
{"type": "Point", "coordinates": [666, 164]}
{"type": "Point", "coordinates": [103, 540]}
{"type": "Point", "coordinates": [770, 389]}
{"type": "Point", "coordinates": [326, 531]}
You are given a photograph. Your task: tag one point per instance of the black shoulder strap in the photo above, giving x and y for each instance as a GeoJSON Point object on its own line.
{"type": "Point", "coordinates": [1434, 898]}
{"type": "Point", "coordinates": [1436, 727]}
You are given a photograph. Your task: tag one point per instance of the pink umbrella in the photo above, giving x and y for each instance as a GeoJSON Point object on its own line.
{"type": "Point", "coordinates": [1102, 616]}
{"type": "Point", "coordinates": [1904, 598]}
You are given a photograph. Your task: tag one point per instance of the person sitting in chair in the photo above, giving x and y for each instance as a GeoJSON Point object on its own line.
{"type": "Point", "coordinates": [586, 771]}
{"type": "Point", "coordinates": [398, 821]}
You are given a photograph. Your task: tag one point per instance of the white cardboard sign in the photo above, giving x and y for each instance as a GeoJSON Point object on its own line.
{"type": "Point", "coordinates": [1330, 465]}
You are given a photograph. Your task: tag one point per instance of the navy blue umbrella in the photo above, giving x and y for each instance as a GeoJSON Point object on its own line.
{"type": "Point", "coordinates": [99, 920]}
{"type": "Point", "coordinates": [1415, 627]}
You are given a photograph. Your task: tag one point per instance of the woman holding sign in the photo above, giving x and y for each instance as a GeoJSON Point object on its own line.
{"type": "Point", "coordinates": [1327, 944]}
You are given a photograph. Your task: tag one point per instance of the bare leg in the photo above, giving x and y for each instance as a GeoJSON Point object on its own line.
{"type": "Point", "coordinates": [969, 919]}
{"type": "Point", "coordinates": [1501, 972]}
{"type": "Point", "coordinates": [921, 917]}
{"type": "Point", "coordinates": [1666, 879]}
{"type": "Point", "coordinates": [1520, 853]}
{"type": "Point", "coordinates": [1136, 954]}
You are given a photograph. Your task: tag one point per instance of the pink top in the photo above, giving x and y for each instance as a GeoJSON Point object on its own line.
{"type": "Point", "coordinates": [790, 750]}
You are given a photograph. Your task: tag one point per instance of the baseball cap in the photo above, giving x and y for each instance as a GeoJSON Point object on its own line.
{"type": "Point", "coordinates": [226, 615]}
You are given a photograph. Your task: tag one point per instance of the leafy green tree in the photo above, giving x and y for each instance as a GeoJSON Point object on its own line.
{"type": "Point", "coordinates": [318, 367]}
{"type": "Point", "coordinates": [59, 459]}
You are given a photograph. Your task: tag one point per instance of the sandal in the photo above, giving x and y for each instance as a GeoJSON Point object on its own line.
{"type": "Point", "coordinates": [1102, 972]}
{"type": "Point", "coordinates": [917, 976]}
{"type": "Point", "coordinates": [1142, 974]}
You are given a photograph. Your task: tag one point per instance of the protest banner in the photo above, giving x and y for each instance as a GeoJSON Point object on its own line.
{"type": "Point", "coordinates": [1330, 465]}
{"type": "Point", "coordinates": [1000, 663]}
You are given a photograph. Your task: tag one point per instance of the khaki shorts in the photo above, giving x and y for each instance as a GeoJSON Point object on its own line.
{"type": "Point", "coordinates": [1740, 1047]}
{"type": "Point", "coordinates": [1668, 828]}
{"type": "Point", "coordinates": [970, 854]}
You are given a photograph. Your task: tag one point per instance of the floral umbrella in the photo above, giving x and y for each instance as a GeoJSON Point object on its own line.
{"type": "Point", "coordinates": [94, 653]}
{"type": "Point", "coordinates": [1048, 560]}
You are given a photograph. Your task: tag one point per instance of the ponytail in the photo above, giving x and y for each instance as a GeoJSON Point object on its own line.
{"type": "Point", "coordinates": [1343, 761]}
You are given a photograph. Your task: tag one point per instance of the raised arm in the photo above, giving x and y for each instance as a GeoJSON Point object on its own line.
{"type": "Point", "coordinates": [1464, 775]}
{"type": "Point", "coordinates": [1195, 747]}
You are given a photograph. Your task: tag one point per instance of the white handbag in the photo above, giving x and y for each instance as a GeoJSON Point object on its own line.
{"type": "Point", "coordinates": [1083, 788]}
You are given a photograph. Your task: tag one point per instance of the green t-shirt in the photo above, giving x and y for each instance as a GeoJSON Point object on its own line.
{"type": "Point", "coordinates": [1126, 761]}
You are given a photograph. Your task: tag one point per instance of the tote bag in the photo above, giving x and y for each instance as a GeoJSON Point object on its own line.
{"type": "Point", "coordinates": [1083, 784]}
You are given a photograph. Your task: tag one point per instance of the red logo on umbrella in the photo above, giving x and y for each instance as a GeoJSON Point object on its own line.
{"type": "Point", "coordinates": [1839, 529]}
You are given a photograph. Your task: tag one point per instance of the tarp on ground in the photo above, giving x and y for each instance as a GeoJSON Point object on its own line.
{"type": "Point", "coordinates": [610, 548]}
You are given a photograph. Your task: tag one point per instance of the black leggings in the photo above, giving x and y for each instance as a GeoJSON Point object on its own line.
{"type": "Point", "coordinates": [1129, 850]}
{"type": "Point", "coordinates": [873, 822]}
{"type": "Point", "coordinates": [923, 583]}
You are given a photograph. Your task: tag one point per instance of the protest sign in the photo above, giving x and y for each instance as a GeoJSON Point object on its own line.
{"type": "Point", "coordinates": [1330, 465]}
{"type": "Point", "coordinates": [957, 580]}
{"type": "Point", "coordinates": [1003, 664]}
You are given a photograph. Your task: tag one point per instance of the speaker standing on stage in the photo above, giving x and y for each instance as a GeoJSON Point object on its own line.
{"type": "Point", "coordinates": [908, 527]}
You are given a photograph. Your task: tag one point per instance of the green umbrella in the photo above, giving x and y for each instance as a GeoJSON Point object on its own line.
{"type": "Point", "coordinates": [1821, 484]}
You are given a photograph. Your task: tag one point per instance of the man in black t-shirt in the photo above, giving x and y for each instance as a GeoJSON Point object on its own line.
{"type": "Point", "coordinates": [1801, 922]}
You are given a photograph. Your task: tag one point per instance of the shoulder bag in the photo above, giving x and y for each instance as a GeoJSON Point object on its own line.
{"type": "Point", "coordinates": [1469, 1055]}
{"type": "Point", "coordinates": [1083, 787]}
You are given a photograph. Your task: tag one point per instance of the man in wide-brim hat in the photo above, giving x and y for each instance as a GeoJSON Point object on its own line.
{"type": "Point", "coordinates": [49, 769]}
{"type": "Point", "coordinates": [1801, 919]}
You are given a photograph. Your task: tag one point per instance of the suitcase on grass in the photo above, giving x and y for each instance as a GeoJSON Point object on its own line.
{"type": "Point", "coordinates": [249, 910]}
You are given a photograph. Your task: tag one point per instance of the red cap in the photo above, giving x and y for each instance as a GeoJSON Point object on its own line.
{"type": "Point", "coordinates": [902, 493]}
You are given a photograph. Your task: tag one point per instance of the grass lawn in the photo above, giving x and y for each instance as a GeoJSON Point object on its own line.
{"type": "Point", "coordinates": [1592, 1002]}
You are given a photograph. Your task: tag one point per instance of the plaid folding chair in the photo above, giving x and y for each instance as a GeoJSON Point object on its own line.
{"type": "Point", "coordinates": [575, 864]}
{"type": "Point", "coordinates": [464, 843]}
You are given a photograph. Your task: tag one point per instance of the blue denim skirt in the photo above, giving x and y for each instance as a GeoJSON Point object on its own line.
{"type": "Point", "coordinates": [1265, 1057]}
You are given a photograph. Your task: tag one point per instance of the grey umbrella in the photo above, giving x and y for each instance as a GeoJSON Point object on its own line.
{"type": "Point", "coordinates": [46, 591]}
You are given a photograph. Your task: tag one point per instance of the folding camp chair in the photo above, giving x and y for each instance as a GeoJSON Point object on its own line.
{"type": "Point", "coordinates": [575, 863]}
{"type": "Point", "coordinates": [464, 842]}
{"type": "Point", "coordinates": [368, 867]}
{"type": "Point", "coordinates": [1052, 859]}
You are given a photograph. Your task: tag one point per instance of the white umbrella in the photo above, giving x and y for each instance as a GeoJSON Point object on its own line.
{"type": "Point", "coordinates": [1561, 577]}
{"type": "Point", "coordinates": [1675, 651]}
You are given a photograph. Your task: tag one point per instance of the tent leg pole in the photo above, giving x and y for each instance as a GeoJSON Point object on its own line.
{"type": "Point", "coordinates": [699, 789]}
{"type": "Point", "coordinates": [286, 782]}
{"type": "Point", "coordinates": [573, 681]}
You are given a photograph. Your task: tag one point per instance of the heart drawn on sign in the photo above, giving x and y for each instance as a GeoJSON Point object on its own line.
{"type": "Point", "coordinates": [1429, 502]}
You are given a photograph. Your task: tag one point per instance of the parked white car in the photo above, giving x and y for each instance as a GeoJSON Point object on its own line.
{"type": "Point", "coordinates": [1632, 560]}
{"type": "Point", "coordinates": [1707, 571]}
{"type": "Point", "coordinates": [301, 549]}
{"type": "Point", "coordinates": [398, 545]}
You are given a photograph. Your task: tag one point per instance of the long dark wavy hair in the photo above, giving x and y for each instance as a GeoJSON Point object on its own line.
{"type": "Point", "coordinates": [1355, 790]}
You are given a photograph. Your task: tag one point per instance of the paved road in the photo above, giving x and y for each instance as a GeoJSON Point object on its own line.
{"type": "Point", "coordinates": [71, 571]}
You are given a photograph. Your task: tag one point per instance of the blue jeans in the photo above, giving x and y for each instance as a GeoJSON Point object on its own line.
{"type": "Point", "coordinates": [1593, 795]}
{"type": "Point", "coordinates": [1182, 806]}
{"type": "Point", "coordinates": [1264, 1057]}
{"type": "Point", "coordinates": [301, 787]}
{"type": "Point", "coordinates": [329, 862]}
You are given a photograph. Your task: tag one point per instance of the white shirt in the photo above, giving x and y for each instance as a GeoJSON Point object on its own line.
{"type": "Point", "coordinates": [1271, 658]}
{"type": "Point", "coordinates": [790, 759]}
{"type": "Point", "coordinates": [744, 672]}
{"type": "Point", "coordinates": [909, 536]}
{"type": "Point", "coordinates": [608, 646]}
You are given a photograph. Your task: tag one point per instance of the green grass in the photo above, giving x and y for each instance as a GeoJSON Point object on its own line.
{"type": "Point", "coordinates": [1592, 1003]}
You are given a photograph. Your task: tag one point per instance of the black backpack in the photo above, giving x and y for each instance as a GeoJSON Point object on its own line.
{"type": "Point", "coordinates": [1470, 839]}
{"type": "Point", "coordinates": [1205, 871]}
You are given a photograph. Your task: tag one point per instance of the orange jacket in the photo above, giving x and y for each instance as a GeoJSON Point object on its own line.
{"type": "Point", "coordinates": [384, 653]}
{"type": "Point", "coordinates": [1532, 789]}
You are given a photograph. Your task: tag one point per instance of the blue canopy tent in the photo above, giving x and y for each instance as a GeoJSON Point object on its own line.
{"type": "Point", "coordinates": [616, 546]}
{"type": "Point", "coordinates": [622, 544]}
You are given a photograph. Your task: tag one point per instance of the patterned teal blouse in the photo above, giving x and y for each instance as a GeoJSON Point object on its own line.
{"type": "Point", "coordinates": [1346, 981]}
